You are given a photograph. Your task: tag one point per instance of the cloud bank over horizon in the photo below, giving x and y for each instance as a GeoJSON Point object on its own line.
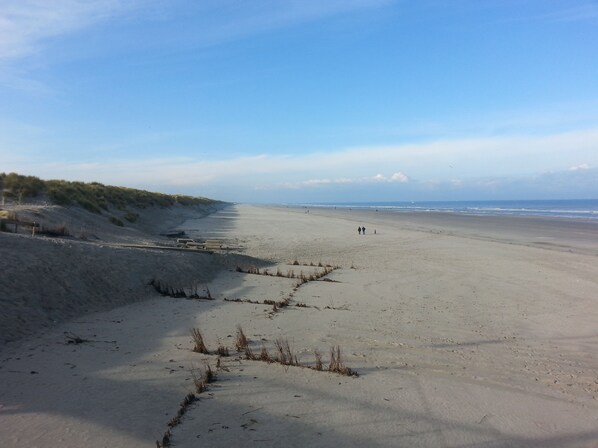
{"type": "Point", "coordinates": [434, 170]}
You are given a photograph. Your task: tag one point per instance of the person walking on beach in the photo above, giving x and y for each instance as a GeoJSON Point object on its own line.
{"type": "Point", "coordinates": [363, 230]}
{"type": "Point", "coordinates": [359, 230]}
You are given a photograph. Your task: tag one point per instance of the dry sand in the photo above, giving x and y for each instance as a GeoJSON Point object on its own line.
{"type": "Point", "coordinates": [464, 331]}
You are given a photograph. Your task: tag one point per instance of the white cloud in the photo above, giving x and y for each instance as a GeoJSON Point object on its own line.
{"type": "Point", "coordinates": [25, 24]}
{"type": "Point", "coordinates": [429, 161]}
{"type": "Point", "coordinates": [399, 177]}
{"type": "Point", "coordinates": [583, 166]}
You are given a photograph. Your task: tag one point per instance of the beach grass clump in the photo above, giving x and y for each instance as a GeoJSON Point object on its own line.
{"type": "Point", "coordinates": [167, 290]}
{"type": "Point", "coordinates": [222, 350]}
{"type": "Point", "coordinates": [200, 346]}
{"type": "Point", "coordinates": [265, 355]}
{"type": "Point", "coordinates": [209, 374]}
{"type": "Point", "coordinates": [336, 363]}
{"type": "Point", "coordinates": [165, 439]}
{"type": "Point", "coordinates": [241, 341]}
{"type": "Point", "coordinates": [249, 354]}
{"type": "Point", "coordinates": [176, 420]}
{"type": "Point", "coordinates": [199, 381]}
{"type": "Point", "coordinates": [319, 365]}
{"type": "Point", "coordinates": [286, 357]}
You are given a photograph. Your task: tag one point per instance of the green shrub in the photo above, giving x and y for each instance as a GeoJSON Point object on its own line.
{"type": "Point", "coordinates": [15, 184]}
{"type": "Point", "coordinates": [89, 206]}
{"type": "Point", "coordinates": [117, 222]}
{"type": "Point", "coordinates": [93, 196]}
{"type": "Point", "coordinates": [132, 217]}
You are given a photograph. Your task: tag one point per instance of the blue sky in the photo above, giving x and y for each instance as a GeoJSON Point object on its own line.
{"type": "Point", "coordinates": [305, 101]}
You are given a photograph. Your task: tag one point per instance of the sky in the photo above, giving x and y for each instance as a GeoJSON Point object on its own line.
{"type": "Point", "coordinates": [296, 101]}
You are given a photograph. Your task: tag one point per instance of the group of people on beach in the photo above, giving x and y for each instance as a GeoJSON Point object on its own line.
{"type": "Point", "coordinates": [361, 230]}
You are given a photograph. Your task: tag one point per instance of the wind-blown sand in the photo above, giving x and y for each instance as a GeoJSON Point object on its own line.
{"type": "Point", "coordinates": [465, 331]}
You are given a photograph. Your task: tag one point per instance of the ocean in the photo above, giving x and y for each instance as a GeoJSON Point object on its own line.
{"type": "Point", "coordinates": [586, 209]}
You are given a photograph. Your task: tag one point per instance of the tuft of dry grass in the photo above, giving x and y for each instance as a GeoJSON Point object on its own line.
{"type": "Point", "coordinates": [209, 374]}
{"type": "Point", "coordinates": [176, 420]}
{"type": "Point", "coordinates": [264, 355]}
{"type": "Point", "coordinates": [167, 290]}
{"type": "Point", "coordinates": [286, 357]}
{"type": "Point", "coordinates": [336, 363]}
{"type": "Point", "coordinates": [241, 343]}
{"type": "Point", "coordinates": [200, 383]}
{"type": "Point", "coordinates": [165, 440]}
{"type": "Point", "coordinates": [318, 365]}
{"type": "Point", "coordinates": [200, 346]}
{"type": "Point", "coordinates": [249, 354]}
{"type": "Point", "coordinates": [222, 350]}
{"type": "Point", "coordinates": [295, 263]}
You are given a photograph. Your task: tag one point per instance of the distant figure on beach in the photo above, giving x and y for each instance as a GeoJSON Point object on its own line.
{"type": "Point", "coordinates": [363, 230]}
{"type": "Point", "coordinates": [359, 230]}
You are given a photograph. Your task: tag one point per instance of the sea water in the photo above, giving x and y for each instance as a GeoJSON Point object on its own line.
{"type": "Point", "coordinates": [562, 208]}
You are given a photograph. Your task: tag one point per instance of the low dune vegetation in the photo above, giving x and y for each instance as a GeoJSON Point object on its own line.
{"type": "Point", "coordinates": [94, 197]}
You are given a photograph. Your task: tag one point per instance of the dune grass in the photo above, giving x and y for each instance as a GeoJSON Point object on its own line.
{"type": "Point", "coordinates": [94, 197]}
{"type": "Point", "coordinates": [200, 346]}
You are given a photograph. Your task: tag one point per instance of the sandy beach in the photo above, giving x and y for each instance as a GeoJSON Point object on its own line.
{"type": "Point", "coordinates": [464, 331]}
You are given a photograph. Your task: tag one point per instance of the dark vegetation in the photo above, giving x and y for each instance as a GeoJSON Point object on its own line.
{"type": "Point", "coordinates": [180, 292]}
{"type": "Point", "coordinates": [94, 197]}
{"type": "Point", "coordinates": [284, 354]}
